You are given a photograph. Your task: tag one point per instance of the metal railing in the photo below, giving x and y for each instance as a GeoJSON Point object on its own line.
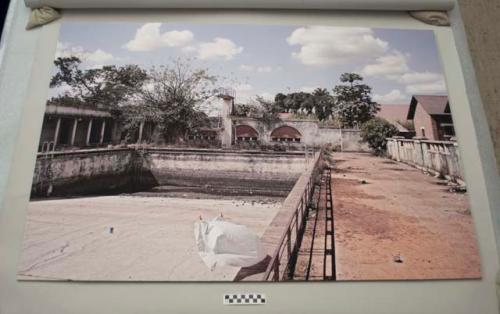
{"type": "Point", "coordinates": [282, 263]}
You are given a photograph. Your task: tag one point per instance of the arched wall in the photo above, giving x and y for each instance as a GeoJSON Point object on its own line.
{"type": "Point", "coordinates": [285, 133]}
{"type": "Point", "coordinates": [311, 133]}
{"type": "Point", "coordinates": [246, 132]}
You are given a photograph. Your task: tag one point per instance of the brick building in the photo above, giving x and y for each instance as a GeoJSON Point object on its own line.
{"type": "Point", "coordinates": [431, 117]}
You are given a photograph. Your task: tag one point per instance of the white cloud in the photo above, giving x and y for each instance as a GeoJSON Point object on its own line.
{"type": "Point", "coordinates": [420, 77]}
{"type": "Point", "coordinates": [394, 66]}
{"type": "Point", "coordinates": [320, 45]}
{"type": "Point", "coordinates": [246, 93]}
{"type": "Point", "coordinates": [258, 69]}
{"type": "Point", "coordinates": [149, 37]}
{"type": "Point", "coordinates": [94, 58]}
{"type": "Point", "coordinates": [393, 97]}
{"type": "Point", "coordinates": [99, 56]}
{"type": "Point", "coordinates": [436, 87]}
{"type": "Point", "coordinates": [391, 66]}
{"type": "Point", "coordinates": [423, 83]}
{"type": "Point", "coordinates": [218, 48]}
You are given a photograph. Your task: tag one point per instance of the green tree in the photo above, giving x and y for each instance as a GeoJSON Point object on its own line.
{"type": "Point", "coordinates": [353, 102]}
{"type": "Point", "coordinates": [323, 104]}
{"type": "Point", "coordinates": [105, 87]}
{"type": "Point", "coordinates": [294, 102]}
{"type": "Point", "coordinates": [319, 103]}
{"type": "Point", "coordinates": [242, 110]}
{"type": "Point", "coordinates": [375, 132]}
{"type": "Point", "coordinates": [279, 100]}
{"type": "Point", "coordinates": [171, 98]}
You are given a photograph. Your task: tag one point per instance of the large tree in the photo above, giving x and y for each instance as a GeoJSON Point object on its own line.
{"type": "Point", "coordinates": [171, 98]}
{"type": "Point", "coordinates": [353, 102]}
{"type": "Point", "coordinates": [107, 87]}
{"type": "Point", "coordinates": [294, 102]}
{"type": "Point", "coordinates": [318, 103]}
{"type": "Point", "coordinates": [323, 104]}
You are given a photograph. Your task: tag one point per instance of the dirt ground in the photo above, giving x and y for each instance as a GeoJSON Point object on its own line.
{"type": "Point", "coordinates": [152, 237]}
{"type": "Point", "coordinates": [394, 222]}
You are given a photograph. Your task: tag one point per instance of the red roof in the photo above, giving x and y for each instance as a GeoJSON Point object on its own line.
{"type": "Point", "coordinates": [395, 114]}
{"type": "Point", "coordinates": [433, 105]}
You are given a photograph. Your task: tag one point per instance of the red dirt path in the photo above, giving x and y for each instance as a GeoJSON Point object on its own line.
{"type": "Point", "coordinates": [399, 211]}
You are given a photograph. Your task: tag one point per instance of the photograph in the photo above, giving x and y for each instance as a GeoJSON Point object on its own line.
{"type": "Point", "coordinates": [247, 152]}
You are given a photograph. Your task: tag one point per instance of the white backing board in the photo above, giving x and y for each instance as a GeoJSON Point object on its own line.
{"type": "Point", "coordinates": [26, 66]}
{"type": "Point", "coordinates": [390, 5]}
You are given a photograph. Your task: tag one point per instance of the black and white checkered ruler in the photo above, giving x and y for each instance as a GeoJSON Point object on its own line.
{"type": "Point", "coordinates": [244, 299]}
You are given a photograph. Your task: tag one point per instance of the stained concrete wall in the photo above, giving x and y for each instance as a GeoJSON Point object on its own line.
{"type": "Point", "coordinates": [351, 142]}
{"type": "Point", "coordinates": [254, 171]}
{"type": "Point", "coordinates": [92, 171]}
{"type": "Point", "coordinates": [104, 171]}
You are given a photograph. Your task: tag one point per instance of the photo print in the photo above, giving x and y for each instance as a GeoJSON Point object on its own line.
{"type": "Point", "coordinates": [217, 152]}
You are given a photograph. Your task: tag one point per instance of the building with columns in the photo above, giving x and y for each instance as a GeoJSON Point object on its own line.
{"type": "Point", "coordinates": [66, 127]}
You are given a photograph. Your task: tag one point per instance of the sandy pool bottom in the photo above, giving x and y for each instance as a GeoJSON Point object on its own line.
{"type": "Point", "coordinates": [152, 238]}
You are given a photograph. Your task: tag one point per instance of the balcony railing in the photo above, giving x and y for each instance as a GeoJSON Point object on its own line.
{"type": "Point", "coordinates": [439, 157]}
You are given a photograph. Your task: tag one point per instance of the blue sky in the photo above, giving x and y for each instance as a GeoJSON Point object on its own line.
{"type": "Point", "coordinates": [266, 59]}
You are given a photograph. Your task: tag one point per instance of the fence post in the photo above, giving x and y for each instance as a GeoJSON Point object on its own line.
{"type": "Point", "coordinates": [457, 162]}
{"type": "Point", "coordinates": [419, 153]}
{"type": "Point", "coordinates": [390, 149]}
{"type": "Point", "coordinates": [397, 150]}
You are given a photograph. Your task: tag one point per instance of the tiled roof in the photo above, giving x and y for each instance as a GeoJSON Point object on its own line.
{"type": "Point", "coordinates": [432, 104]}
{"type": "Point", "coordinates": [395, 114]}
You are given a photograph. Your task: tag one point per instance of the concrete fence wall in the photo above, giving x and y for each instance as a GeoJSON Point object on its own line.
{"type": "Point", "coordinates": [438, 157]}
{"type": "Point", "coordinates": [351, 141]}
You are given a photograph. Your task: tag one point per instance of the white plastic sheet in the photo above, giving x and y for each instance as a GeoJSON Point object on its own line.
{"type": "Point", "coordinates": [222, 243]}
